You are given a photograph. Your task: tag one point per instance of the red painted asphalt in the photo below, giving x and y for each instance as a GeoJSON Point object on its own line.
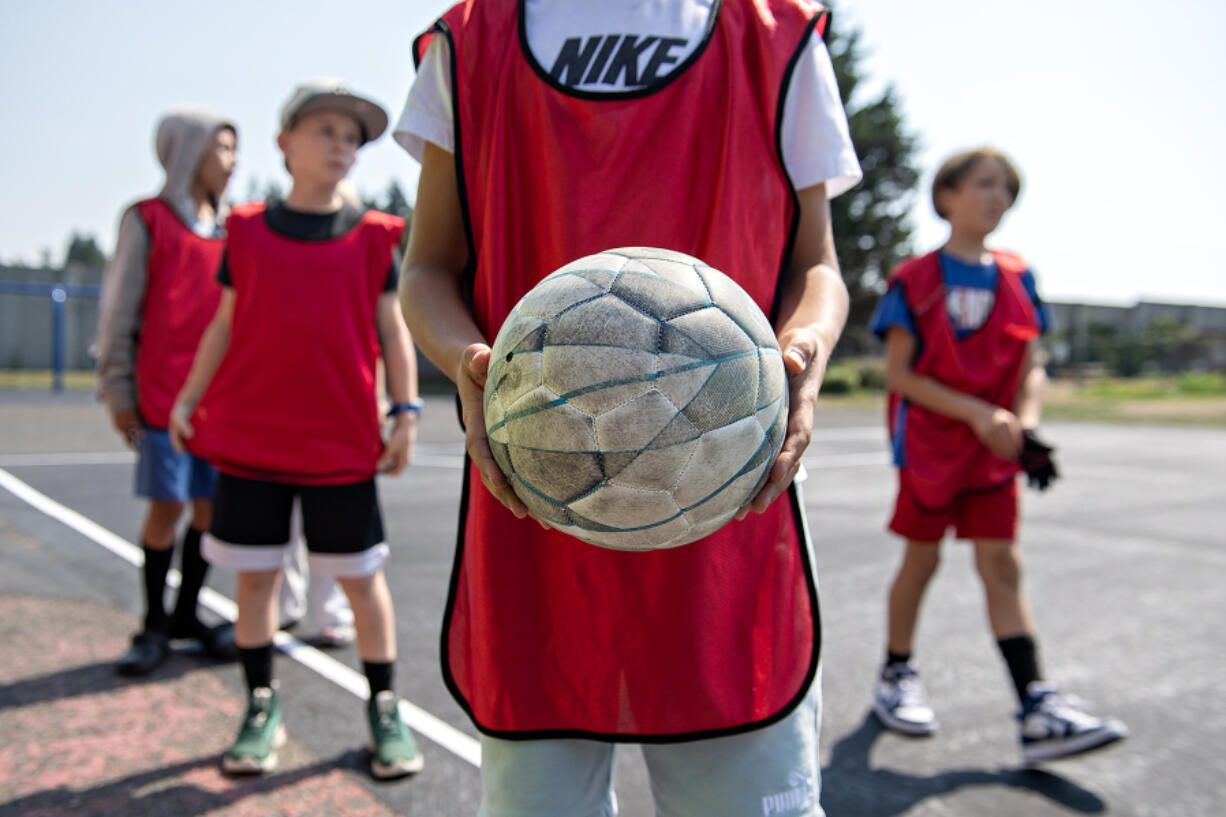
{"type": "Point", "coordinates": [77, 740]}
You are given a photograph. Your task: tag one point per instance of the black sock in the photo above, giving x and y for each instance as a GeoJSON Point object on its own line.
{"type": "Point", "coordinates": [157, 563]}
{"type": "Point", "coordinates": [897, 657]}
{"type": "Point", "coordinates": [1022, 657]}
{"type": "Point", "coordinates": [257, 665]}
{"type": "Point", "coordinates": [379, 675]}
{"type": "Point", "coordinates": [194, 568]}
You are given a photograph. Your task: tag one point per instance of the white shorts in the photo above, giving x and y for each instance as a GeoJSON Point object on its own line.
{"type": "Point", "coordinates": [773, 772]}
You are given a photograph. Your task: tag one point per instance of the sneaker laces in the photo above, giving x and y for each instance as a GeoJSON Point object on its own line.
{"type": "Point", "coordinates": [905, 679]}
{"type": "Point", "coordinates": [911, 691]}
{"type": "Point", "coordinates": [894, 673]}
{"type": "Point", "coordinates": [387, 708]}
{"type": "Point", "coordinates": [257, 711]}
{"type": "Point", "coordinates": [1068, 708]}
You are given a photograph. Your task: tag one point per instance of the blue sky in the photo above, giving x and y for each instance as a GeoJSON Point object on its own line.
{"type": "Point", "coordinates": [1112, 111]}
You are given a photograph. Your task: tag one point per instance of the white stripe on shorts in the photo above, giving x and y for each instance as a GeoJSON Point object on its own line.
{"type": "Point", "coordinates": [272, 557]}
{"type": "Point", "coordinates": [241, 557]}
{"type": "Point", "coordinates": [349, 565]}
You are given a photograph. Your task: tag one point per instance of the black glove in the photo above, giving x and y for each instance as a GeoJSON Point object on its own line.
{"type": "Point", "coordinates": [1037, 461]}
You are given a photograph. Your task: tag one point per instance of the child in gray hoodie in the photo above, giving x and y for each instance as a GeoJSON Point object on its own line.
{"type": "Point", "coordinates": [159, 292]}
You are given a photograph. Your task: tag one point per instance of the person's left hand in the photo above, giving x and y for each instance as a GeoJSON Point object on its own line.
{"type": "Point", "coordinates": [180, 425]}
{"type": "Point", "coordinates": [398, 450]}
{"type": "Point", "coordinates": [128, 424]}
{"type": "Point", "coordinates": [804, 362]}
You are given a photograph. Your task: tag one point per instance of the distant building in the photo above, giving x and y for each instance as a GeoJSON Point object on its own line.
{"type": "Point", "coordinates": [1072, 324]}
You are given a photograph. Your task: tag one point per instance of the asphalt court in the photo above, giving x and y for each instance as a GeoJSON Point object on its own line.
{"type": "Point", "coordinates": [1125, 560]}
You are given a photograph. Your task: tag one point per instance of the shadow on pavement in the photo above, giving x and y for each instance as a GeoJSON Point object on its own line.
{"type": "Point", "coordinates": [851, 786]}
{"type": "Point", "coordinates": [153, 794]}
{"type": "Point", "coordinates": [90, 679]}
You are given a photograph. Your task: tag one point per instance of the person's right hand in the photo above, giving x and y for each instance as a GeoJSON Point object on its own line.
{"type": "Point", "coordinates": [180, 426]}
{"type": "Point", "coordinates": [470, 383]}
{"type": "Point", "coordinates": [128, 424]}
{"type": "Point", "coordinates": [999, 430]}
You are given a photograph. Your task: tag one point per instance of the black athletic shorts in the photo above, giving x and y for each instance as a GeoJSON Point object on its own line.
{"type": "Point", "coordinates": [336, 519]}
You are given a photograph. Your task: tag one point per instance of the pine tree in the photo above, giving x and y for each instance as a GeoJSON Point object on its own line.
{"type": "Point", "coordinates": [871, 232]}
{"type": "Point", "coordinates": [84, 250]}
{"type": "Point", "coordinates": [394, 201]}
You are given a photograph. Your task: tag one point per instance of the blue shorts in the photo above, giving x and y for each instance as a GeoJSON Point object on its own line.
{"type": "Point", "coordinates": [165, 475]}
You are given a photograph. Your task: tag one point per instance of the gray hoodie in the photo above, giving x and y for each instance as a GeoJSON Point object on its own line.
{"type": "Point", "coordinates": [182, 139]}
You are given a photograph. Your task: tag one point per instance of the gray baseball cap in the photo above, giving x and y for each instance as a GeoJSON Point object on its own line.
{"type": "Point", "coordinates": [333, 95]}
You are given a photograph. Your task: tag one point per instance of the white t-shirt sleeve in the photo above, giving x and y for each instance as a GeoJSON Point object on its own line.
{"type": "Point", "coordinates": [427, 114]}
{"type": "Point", "coordinates": [816, 143]}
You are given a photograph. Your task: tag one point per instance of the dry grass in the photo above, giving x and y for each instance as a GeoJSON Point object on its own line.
{"type": "Point", "coordinates": [1068, 400]}
{"type": "Point", "coordinates": [40, 379]}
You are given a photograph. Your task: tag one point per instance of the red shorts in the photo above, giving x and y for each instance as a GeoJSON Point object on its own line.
{"type": "Point", "coordinates": [987, 514]}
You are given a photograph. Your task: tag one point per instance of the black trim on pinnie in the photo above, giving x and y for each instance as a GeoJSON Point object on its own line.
{"type": "Point", "coordinates": [793, 497]}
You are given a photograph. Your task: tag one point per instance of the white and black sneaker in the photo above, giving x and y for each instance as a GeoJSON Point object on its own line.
{"type": "Point", "coordinates": [1054, 726]}
{"type": "Point", "coordinates": [901, 703]}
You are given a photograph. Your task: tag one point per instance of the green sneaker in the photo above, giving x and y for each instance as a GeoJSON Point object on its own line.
{"type": "Point", "coordinates": [255, 749]}
{"type": "Point", "coordinates": [393, 752]}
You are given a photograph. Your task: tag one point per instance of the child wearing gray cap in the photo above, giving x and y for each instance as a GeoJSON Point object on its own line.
{"type": "Point", "coordinates": [281, 398]}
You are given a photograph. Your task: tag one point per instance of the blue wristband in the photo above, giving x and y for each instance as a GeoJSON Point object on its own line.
{"type": "Point", "coordinates": [411, 407]}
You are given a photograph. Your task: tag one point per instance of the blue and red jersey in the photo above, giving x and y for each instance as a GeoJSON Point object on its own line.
{"type": "Point", "coordinates": [973, 325]}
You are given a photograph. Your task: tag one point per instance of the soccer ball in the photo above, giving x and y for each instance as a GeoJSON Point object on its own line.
{"type": "Point", "coordinates": [636, 399]}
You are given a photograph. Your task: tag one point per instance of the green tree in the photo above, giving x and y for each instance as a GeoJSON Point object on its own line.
{"type": "Point", "coordinates": [272, 192]}
{"type": "Point", "coordinates": [84, 250]}
{"type": "Point", "coordinates": [394, 200]}
{"type": "Point", "coordinates": [871, 231]}
{"type": "Point", "coordinates": [268, 192]}
{"type": "Point", "coordinates": [1102, 341]}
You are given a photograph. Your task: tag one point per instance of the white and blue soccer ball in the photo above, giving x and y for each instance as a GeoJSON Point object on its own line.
{"type": "Point", "coordinates": [636, 399]}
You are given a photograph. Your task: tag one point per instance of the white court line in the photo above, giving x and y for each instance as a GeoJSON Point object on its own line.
{"type": "Point", "coordinates": [814, 459]}
{"type": "Point", "coordinates": [818, 462]}
{"type": "Point", "coordinates": [439, 731]}
{"type": "Point", "coordinates": [450, 462]}
{"type": "Point", "coordinates": [126, 457]}
{"type": "Point", "coordinates": [71, 458]}
{"type": "Point", "coordinates": [430, 455]}
{"type": "Point", "coordinates": [455, 462]}
{"type": "Point", "coordinates": [852, 433]}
